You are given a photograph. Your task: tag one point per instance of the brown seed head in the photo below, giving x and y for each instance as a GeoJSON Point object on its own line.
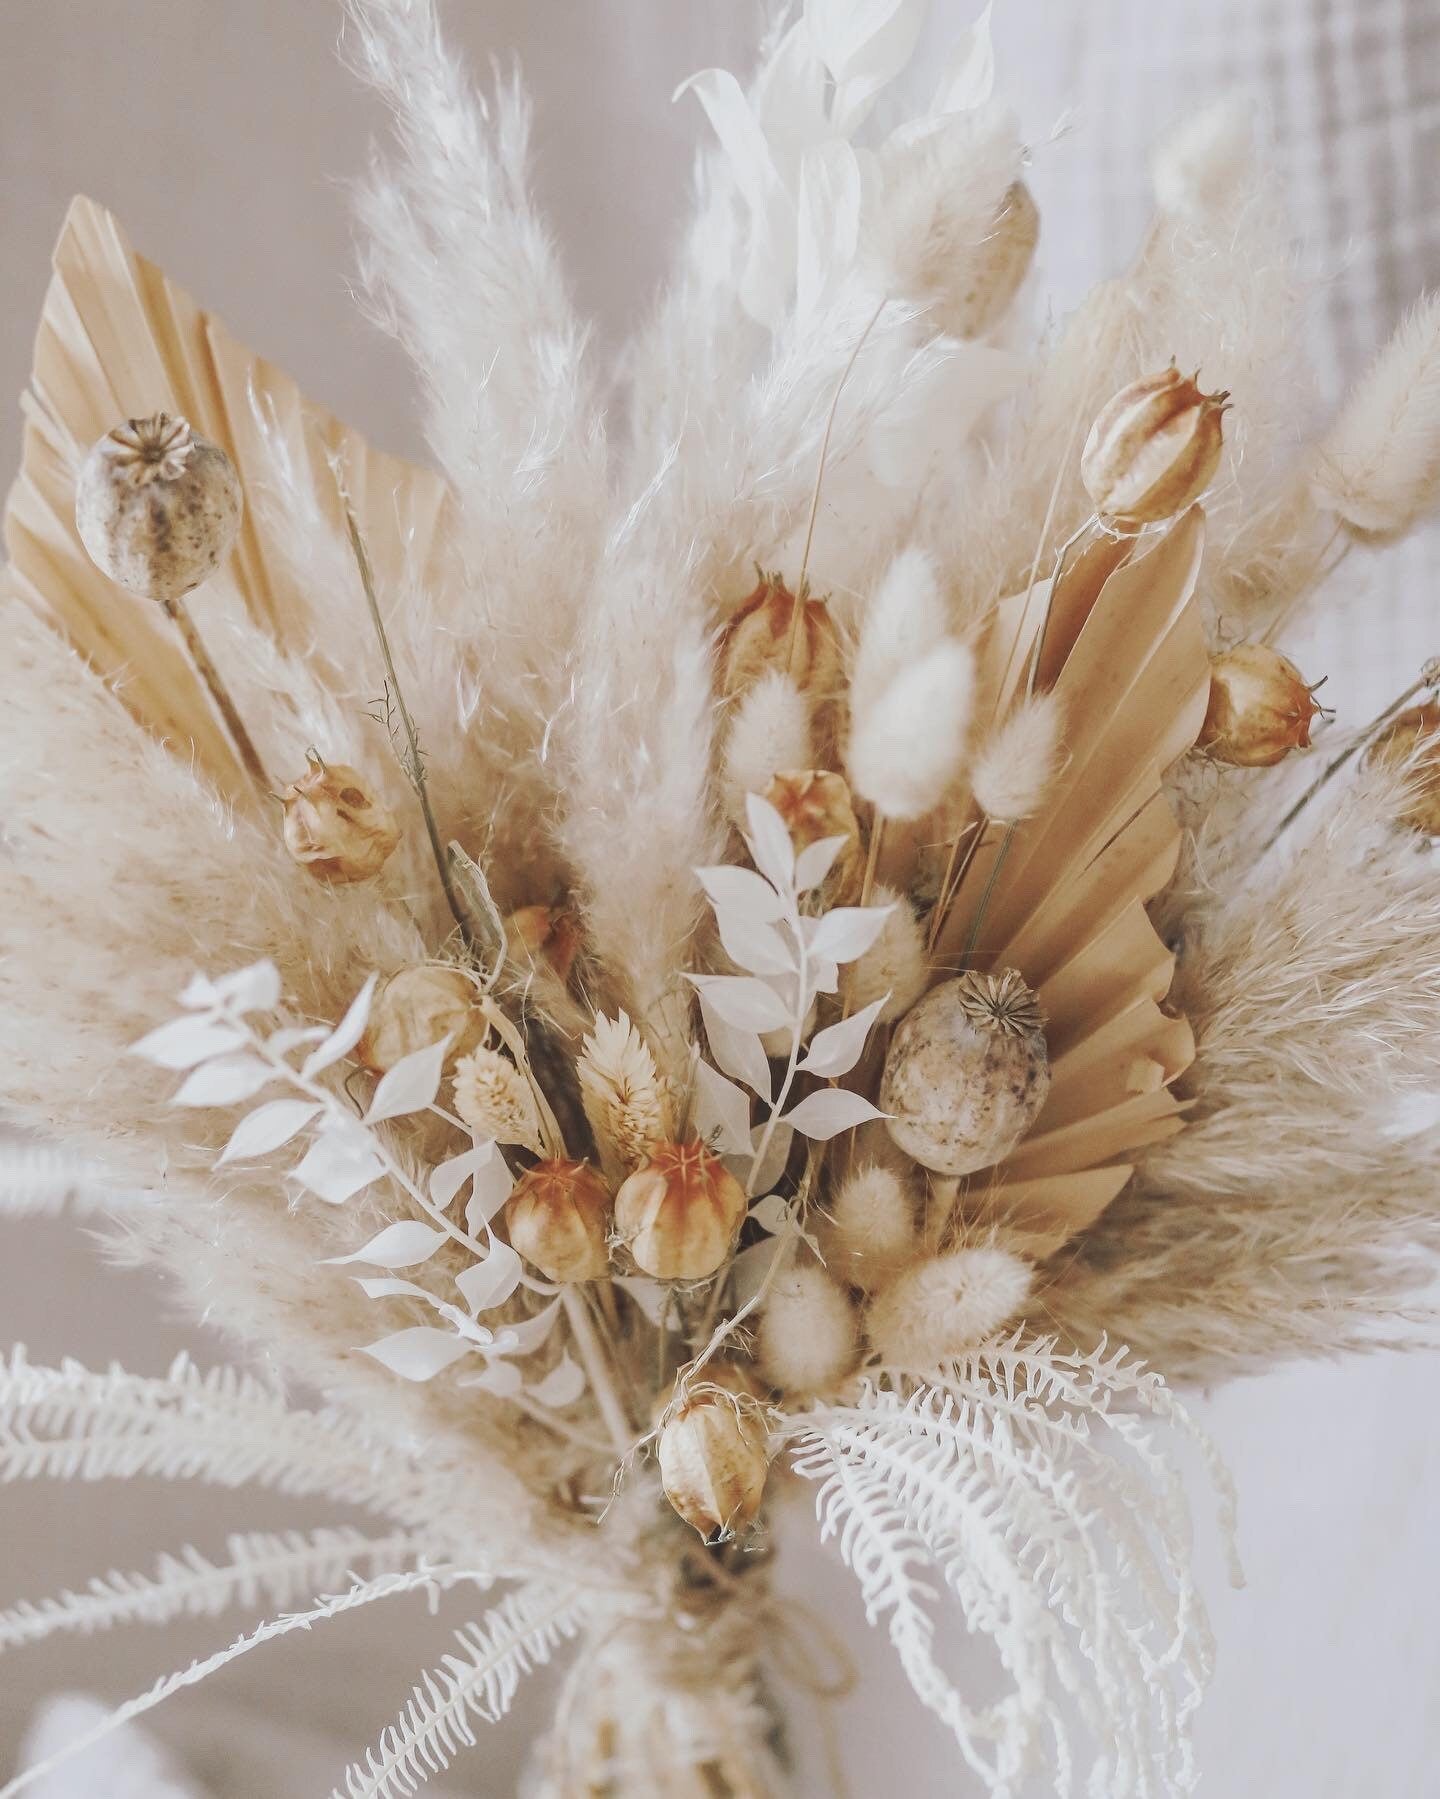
{"type": "Point", "coordinates": [815, 804]}
{"type": "Point", "coordinates": [544, 934]}
{"type": "Point", "coordinates": [1261, 707]}
{"type": "Point", "coordinates": [1412, 742]}
{"type": "Point", "coordinates": [757, 640]}
{"type": "Point", "coordinates": [558, 1217]}
{"type": "Point", "coordinates": [679, 1213]}
{"type": "Point", "coordinates": [1153, 449]}
{"type": "Point", "coordinates": [336, 825]}
{"type": "Point", "coordinates": [713, 1464]}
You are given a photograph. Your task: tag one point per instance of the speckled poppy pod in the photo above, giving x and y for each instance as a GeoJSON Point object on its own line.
{"type": "Point", "coordinates": [1154, 448]}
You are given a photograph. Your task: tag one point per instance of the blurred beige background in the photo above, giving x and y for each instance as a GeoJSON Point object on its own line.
{"type": "Point", "coordinates": [222, 132]}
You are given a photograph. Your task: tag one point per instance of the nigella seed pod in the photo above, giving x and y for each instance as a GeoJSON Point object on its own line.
{"type": "Point", "coordinates": [679, 1214]}
{"type": "Point", "coordinates": [967, 1073]}
{"type": "Point", "coordinates": [544, 935]}
{"type": "Point", "coordinates": [1261, 707]}
{"type": "Point", "coordinates": [758, 637]}
{"type": "Point", "coordinates": [415, 1007]}
{"type": "Point", "coordinates": [336, 826]}
{"type": "Point", "coordinates": [1153, 449]}
{"type": "Point", "coordinates": [558, 1217]}
{"type": "Point", "coordinates": [815, 804]}
{"type": "Point", "coordinates": [157, 506]}
{"type": "Point", "coordinates": [713, 1463]}
{"type": "Point", "coordinates": [1411, 743]}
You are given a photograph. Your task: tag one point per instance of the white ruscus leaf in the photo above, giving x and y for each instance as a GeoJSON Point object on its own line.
{"type": "Point", "coordinates": [185, 1041]}
{"type": "Point", "coordinates": [224, 1081]}
{"type": "Point", "coordinates": [420, 1352]}
{"type": "Point", "coordinates": [741, 1000]}
{"type": "Point", "coordinates": [346, 1034]}
{"type": "Point", "coordinates": [825, 1114]}
{"type": "Point", "coordinates": [268, 1128]}
{"type": "Point", "coordinates": [410, 1085]}
{"type": "Point", "coordinates": [402, 1245]}
{"type": "Point", "coordinates": [722, 1111]}
{"type": "Point", "coordinates": [835, 1050]}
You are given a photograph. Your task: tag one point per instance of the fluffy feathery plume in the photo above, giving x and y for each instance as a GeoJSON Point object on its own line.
{"type": "Point", "coordinates": [906, 617]}
{"type": "Point", "coordinates": [808, 1336]}
{"type": "Point", "coordinates": [902, 771]}
{"type": "Point", "coordinates": [770, 732]}
{"type": "Point", "coordinates": [1200, 167]}
{"type": "Point", "coordinates": [625, 1097]}
{"type": "Point", "coordinates": [871, 1232]}
{"type": "Point", "coordinates": [1017, 762]}
{"type": "Point", "coordinates": [947, 1304]}
{"type": "Point", "coordinates": [893, 966]}
{"type": "Point", "coordinates": [494, 1099]}
{"type": "Point", "coordinates": [1377, 469]}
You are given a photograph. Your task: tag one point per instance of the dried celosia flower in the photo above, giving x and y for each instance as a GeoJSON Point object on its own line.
{"type": "Point", "coordinates": [157, 506]}
{"type": "Point", "coordinates": [967, 1073]}
{"type": "Point", "coordinates": [415, 1007]}
{"type": "Point", "coordinates": [336, 825]}
{"type": "Point", "coordinates": [758, 636]}
{"type": "Point", "coordinates": [1153, 449]}
{"type": "Point", "coordinates": [495, 1101]}
{"type": "Point", "coordinates": [815, 804]}
{"type": "Point", "coordinates": [548, 934]}
{"type": "Point", "coordinates": [1261, 707]}
{"type": "Point", "coordinates": [999, 268]}
{"type": "Point", "coordinates": [713, 1463]}
{"type": "Point", "coordinates": [678, 1215]}
{"type": "Point", "coordinates": [808, 1336]}
{"type": "Point", "coordinates": [627, 1100]}
{"type": "Point", "coordinates": [1411, 743]}
{"type": "Point", "coordinates": [947, 1304]}
{"type": "Point", "coordinates": [558, 1217]}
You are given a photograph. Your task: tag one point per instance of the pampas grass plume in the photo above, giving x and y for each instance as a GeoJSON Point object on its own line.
{"type": "Point", "coordinates": [894, 964]}
{"type": "Point", "coordinates": [808, 1336]}
{"type": "Point", "coordinates": [1018, 761]}
{"type": "Point", "coordinates": [770, 732]}
{"type": "Point", "coordinates": [1378, 467]}
{"type": "Point", "coordinates": [947, 1304]}
{"type": "Point", "coordinates": [907, 746]}
{"type": "Point", "coordinates": [871, 1232]}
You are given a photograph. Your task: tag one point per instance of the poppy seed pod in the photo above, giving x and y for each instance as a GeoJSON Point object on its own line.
{"type": "Point", "coordinates": [757, 640]}
{"type": "Point", "coordinates": [157, 506]}
{"type": "Point", "coordinates": [1154, 449]}
{"type": "Point", "coordinates": [558, 1217]}
{"type": "Point", "coordinates": [713, 1464]}
{"type": "Point", "coordinates": [336, 826]}
{"type": "Point", "coordinates": [1261, 707]}
{"type": "Point", "coordinates": [679, 1214]}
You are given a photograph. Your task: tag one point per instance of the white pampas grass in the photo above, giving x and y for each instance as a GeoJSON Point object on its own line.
{"type": "Point", "coordinates": [871, 1232]}
{"type": "Point", "coordinates": [907, 746]}
{"type": "Point", "coordinates": [494, 1099]}
{"type": "Point", "coordinates": [625, 1098]}
{"type": "Point", "coordinates": [770, 732]}
{"type": "Point", "coordinates": [1018, 761]}
{"type": "Point", "coordinates": [808, 1335]}
{"type": "Point", "coordinates": [894, 968]}
{"type": "Point", "coordinates": [1200, 167]}
{"type": "Point", "coordinates": [906, 617]}
{"type": "Point", "coordinates": [947, 1305]}
{"type": "Point", "coordinates": [1377, 469]}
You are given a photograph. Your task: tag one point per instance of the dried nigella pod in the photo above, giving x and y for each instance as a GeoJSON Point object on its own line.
{"type": "Point", "coordinates": [967, 1073]}
{"type": "Point", "coordinates": [713, 1463]}
{"type": "Point", "coordinates": [558, 1216]}
{"type": "Point", "coordinates": [335, 826]}
{"type": "Point", "coordinates": [157, 506]}
{"type": "Point", "coordinates": [1261, 707]}
{"type": "Point", "coordinates": [757, 639]}
{"type": "Point", "coordinates": [1154, 449]}
{"type": "Point", "coordinates": [678, 1215]}
{"type": "Point", "coordinates": [815, 804]}
{"type": "Point", "coordinates": [415, 1007]}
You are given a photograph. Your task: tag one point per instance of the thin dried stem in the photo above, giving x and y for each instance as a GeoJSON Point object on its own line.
{"type": "Point", "coordinates": [219, 693]}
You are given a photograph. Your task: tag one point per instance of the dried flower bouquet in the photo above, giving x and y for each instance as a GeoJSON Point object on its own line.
{"type": "Point", "coordinates": [795, 941]}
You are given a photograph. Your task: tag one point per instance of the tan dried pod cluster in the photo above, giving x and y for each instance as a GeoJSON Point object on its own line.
{"type": "Point", "coordinates": [495, 1101]}
{"type": "Point", "coordinates": [713, 1462]}
{"type": "Point", "coordinates": [558, 1218]}
{"type": "Point", "coordinates": [1411, 743]}
{"type": "Point", "coordinates": [997, 272]}
{"type": "Point", "coordinates": [336, 826]}
{"type": "Point", "coordinates": [947, 1304]}
{"type": "Point", "coordinates": [757, 638]}
{"type": "Point", "coordinates": [679, 1214]}
{"type": "Point", "coordinates": [548, 935]}
{"type": "Point", "coordinates": [815, 804]}
{"type": "Point", "coordinates": [415, 1007]}
{"type": "Point", "coordinates": [1154, 448]}
{"type": "Point", "coordinates": [157, 506]}
{"type": "Point", "coordinates": [967, 1073]}
{"type": "Point", "coordinates": [1261, 707]}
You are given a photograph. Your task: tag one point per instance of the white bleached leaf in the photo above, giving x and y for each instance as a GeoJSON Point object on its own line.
{"type": "Point", "coordinates": [185, 1041]}
{"type": "Point", "coordinates": [390, 1286]}
{"type": "Point", "coordinates": [448, 1177]}
{"type": "Point", "coordinates": [743, 1001]}
{"type": "Point", "coordinates": [491, 1282]}
{"type": "Point", "coordinates": [489, 1191]}
{"type": "Point", "coordinates": [498, 1378]}
{"type": "Point", "coordinates": [741, 894]}
{"type": "Point", "coordinates": [530, 1333]}
{"type": "Point", "coordinates": [410, 1085]}
{"type": "Point", "coordinates": [760, 948]}
{"type": "Point", "coordinates": [828, 223]}
{"type": "Point", "coordinates": [748, 1270]}
{"type": "Point", "coordinates": [562, 1386]}
{"type": "Point", "coordinates": [268, 1127]}
{"type": "Point", "coordinates": [722, 1111]}
{"type": "Point", "coordinates": [777, 1154]}
{"type": "Point", "coordinates": [769, 843]}
{"type": "Point", "coordinates": [771, 1213]}
{"type": "Point", "coordinates": [402, 1245]}
{"type": "Point", "coordinates": [820, 1116]}
{"type": "Point", "coordinates": [815, 862]}
{"type": "Point", "coordinates": [835, 1050]}
{"type": "Point", "coordinates": [871, 41]}
{"type": "Point", "coordinates": [252, 989]}
{"type": "Point", "coordinates": [339, 1163]}
{"type": "Point", "coordinates": [824, 975]}
{"type": "Point", "coordinates": [345, 1035]}
{"type": "Point", "coordinates": [738, 1053]}
{"type": "Point", "coordinates": [291, 1036]}
{"type": "Point", "coordinates": [969, 77]}
{"type": "Point", "coordinates": [739, 132]}
{"type": "Point", "coordinates": [845, 932]}
{"type": "Point", "coordinates": [224, 1081]}
{"type": "Point", "coordinates": [418, 1353]}
{"type": "Point", "coordinates": [199, 991]}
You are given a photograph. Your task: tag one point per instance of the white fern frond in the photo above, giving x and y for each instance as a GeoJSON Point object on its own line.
{"type": "Point", "coordinates": [265, 1566]}
{"type": "Point", "coordinates": [362, 1593]}
{"type": "Point", "coordinates": [511, 1640]}
{"type": "Point", "coordinates": [39, 1180]}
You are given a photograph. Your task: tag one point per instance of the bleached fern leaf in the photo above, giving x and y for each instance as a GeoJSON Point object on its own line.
{"type": "Point", "coordinates": [276, 1568]}
{"type": "Point", "coordinates": [514, 1637]}
{"type": "Point", "coordinates": [1013, 1480]}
